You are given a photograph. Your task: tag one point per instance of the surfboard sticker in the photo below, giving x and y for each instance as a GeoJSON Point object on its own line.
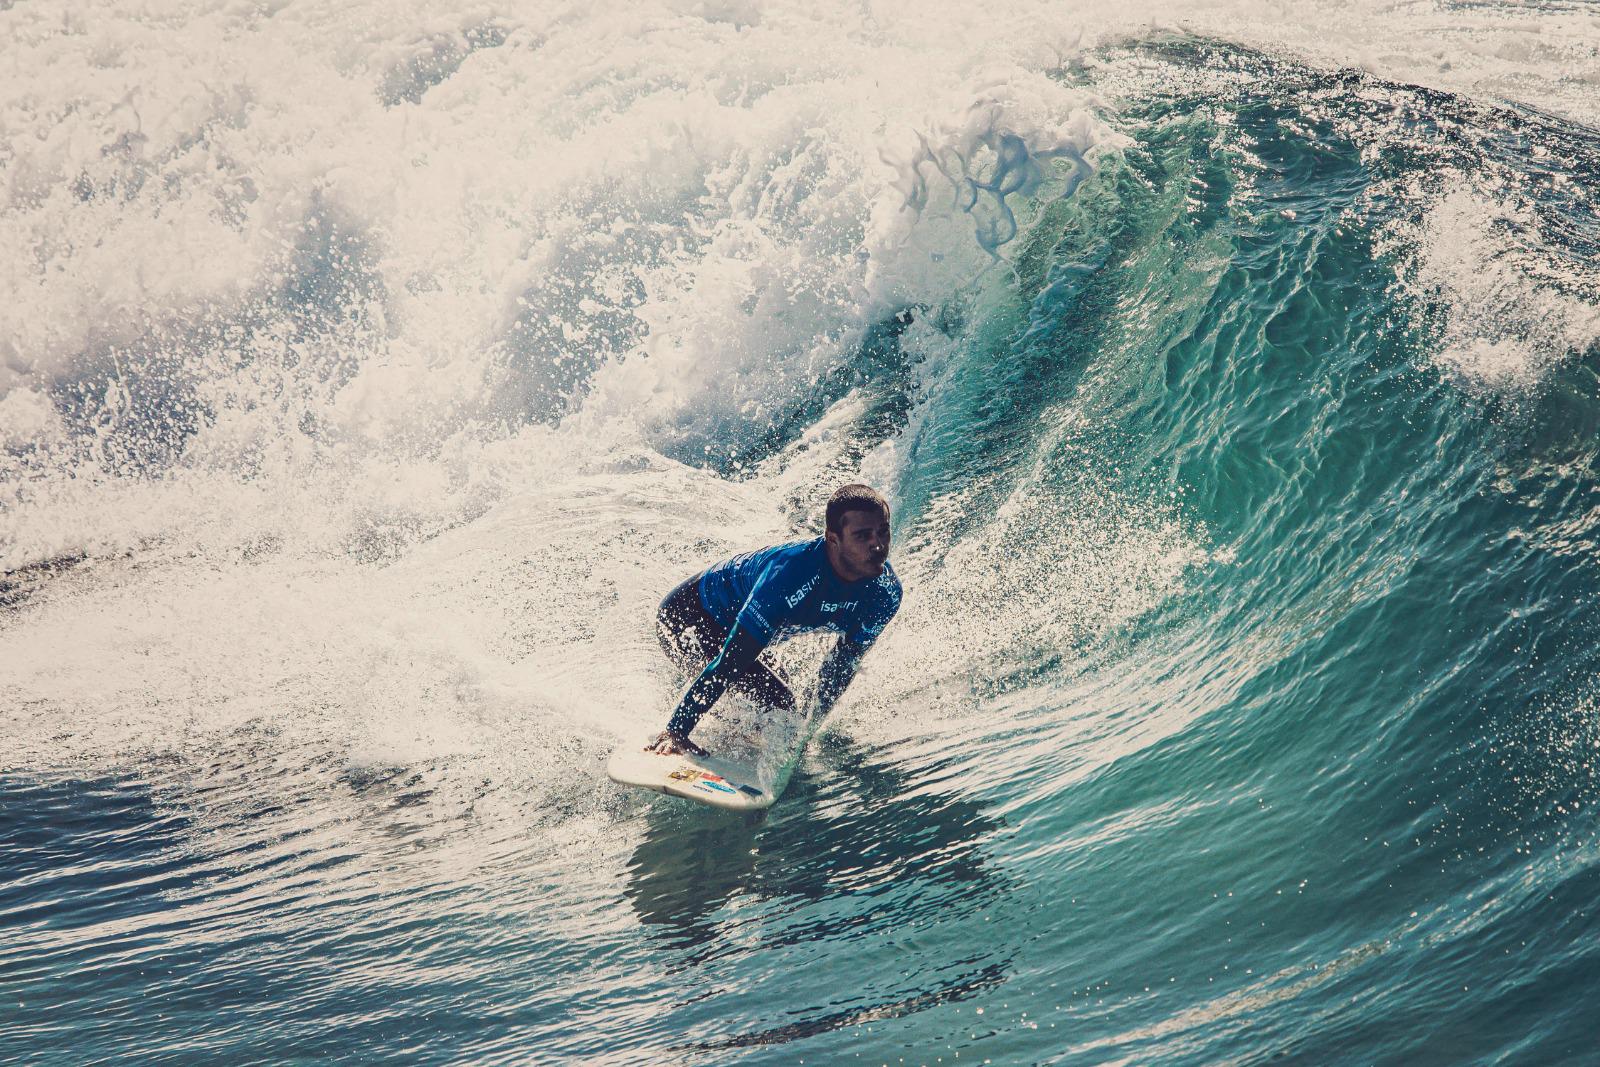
{"type": "Point", "coordinates": [701, 779]}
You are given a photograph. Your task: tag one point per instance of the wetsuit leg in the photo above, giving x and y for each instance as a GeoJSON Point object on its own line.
{"type": "Point", "coordinates": [687, 632]}
{"type": "Point", "coordinates": [762, 684]}
{"type": "Point", "coordinates": [691, 638]}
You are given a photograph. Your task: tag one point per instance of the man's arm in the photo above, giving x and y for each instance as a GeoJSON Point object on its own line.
{"type": "Point", "coordinates": [741, 650]}
{"type": "Point", "coordinates": [759, 617]}
{"type": "Point", "coordinates": [840, 665]}
{"type": "Point", "coordinates": [837, 671]}
{"type": "Point", "coordinates": [738, 651]}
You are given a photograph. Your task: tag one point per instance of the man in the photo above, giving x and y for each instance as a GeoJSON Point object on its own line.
{"type": "Point", "coordinates": [718, 622]}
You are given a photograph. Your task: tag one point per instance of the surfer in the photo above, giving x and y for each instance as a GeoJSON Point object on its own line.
{"type": "Point", "coordinates": [718, 622]}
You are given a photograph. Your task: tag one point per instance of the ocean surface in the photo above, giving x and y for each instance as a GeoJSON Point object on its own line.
{"type": "Point", "coordinates": [369, 371]}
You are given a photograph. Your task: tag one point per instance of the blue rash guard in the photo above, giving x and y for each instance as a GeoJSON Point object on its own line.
{"type": "Point", "coordinates": [770, 594]}
{"type": "Point", "coordinates": [792, 588]}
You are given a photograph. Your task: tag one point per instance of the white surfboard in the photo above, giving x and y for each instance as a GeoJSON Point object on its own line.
{"type": "Point", "coordinates": [753, 752]}
{"type": "Point", "coordinates": [720, 783]}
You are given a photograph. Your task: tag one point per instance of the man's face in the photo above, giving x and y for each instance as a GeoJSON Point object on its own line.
{"type": "Point", "coordinates": [861, 543]}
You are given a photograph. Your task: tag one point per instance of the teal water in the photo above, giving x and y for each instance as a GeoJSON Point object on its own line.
{"type": "Point", "coordinates": [1242, 709]}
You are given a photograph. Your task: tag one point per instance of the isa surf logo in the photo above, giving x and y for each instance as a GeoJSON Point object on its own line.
{"type": "Point", "coordinates": [800, 594]}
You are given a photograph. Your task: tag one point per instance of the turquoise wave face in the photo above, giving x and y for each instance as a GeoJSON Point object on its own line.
{"type": "Point", "coordinates": [1242, 705]}
{"type": "Point", "coordinates": [1369, 713]}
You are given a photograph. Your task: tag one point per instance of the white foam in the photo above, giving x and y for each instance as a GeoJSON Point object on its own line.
{"type": "Point", "coordinates": [1513, 305]}
{"type": "Point", "coordinates": [363, 243]}
{"type": "Point", "coordinates": [1542, 55]}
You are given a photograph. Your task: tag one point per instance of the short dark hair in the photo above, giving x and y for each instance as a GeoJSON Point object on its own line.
{"type": "Point", "coordinates": [853, 498]}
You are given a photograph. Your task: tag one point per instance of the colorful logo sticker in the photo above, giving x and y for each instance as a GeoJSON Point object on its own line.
{"type": "Point", "coordinates": [694, 775]}
{"type": "Point", "coordinates": [711, 783]}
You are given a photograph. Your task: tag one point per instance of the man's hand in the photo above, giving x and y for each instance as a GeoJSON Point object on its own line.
{"type": "Point", "coordinates": [671, 744]}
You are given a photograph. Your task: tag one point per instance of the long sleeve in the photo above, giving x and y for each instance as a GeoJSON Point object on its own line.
{"type": "Point", "coordinates": [838, 669]}
{"type": "Point", "coordinates": [739, 651]}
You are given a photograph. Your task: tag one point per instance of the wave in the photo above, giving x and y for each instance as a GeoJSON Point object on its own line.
{"type": "Point", "coordinates": [363, 388]}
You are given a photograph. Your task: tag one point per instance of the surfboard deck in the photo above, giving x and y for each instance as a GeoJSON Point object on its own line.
{"type": "Point", "coordinates": [709, 780]}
